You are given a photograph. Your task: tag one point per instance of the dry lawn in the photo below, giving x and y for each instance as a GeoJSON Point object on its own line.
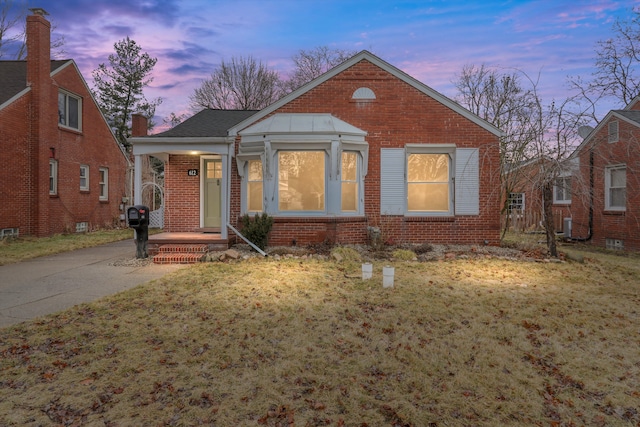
{"type": "Point", "coordinates": [475, 342]}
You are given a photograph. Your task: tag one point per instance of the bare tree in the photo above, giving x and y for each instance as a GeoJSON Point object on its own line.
{"type": "Point", "coordinates": [13, 32]}
{"type": "Point", "coordinates": [617, 66]}
{"type": "Point", "coordinates": [11, 28]}
{"type": "Point", "coordinates": [535, 133]}
{"type": "Point", "coordinates": [242, 84]}
{"type": "Point", "coordinates": [502, 100]}
{"type": "Point", "coordinates": [310, 64]}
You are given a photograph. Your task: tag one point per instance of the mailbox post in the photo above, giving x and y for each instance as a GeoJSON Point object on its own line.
{"type": "Point", "coordinates": [138, 217]}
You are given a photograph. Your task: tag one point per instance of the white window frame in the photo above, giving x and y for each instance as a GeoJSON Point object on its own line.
{"type": "Point", "coordinates": [53, 177]}
{"type": "Point", "coordinates": [562, 183]}
{"type": "Point", "coordinates": [63, 118]}
{"type": "Point", "coordinates": [446, 149]}
{"type": "Point", "coordinates": [333, 150]}
{"type": "Point", "coordinates": [521, 202]}
{"type": "Point", "coordinates": [357, 181]}
{"type": "Point", "coordinates": [104, 183]}
{"type": "Point", "coordinates": [607, 188]}
{"type": "Point", "coordinates": [613, 131]}
{"type": "Point", "coordinates": [84, 175]}
{"type": "Point", "coordinates": [248, 180]}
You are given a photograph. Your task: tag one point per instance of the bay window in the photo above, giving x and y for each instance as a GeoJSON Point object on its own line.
{"type": "Point", "coordinates": [301, 181]}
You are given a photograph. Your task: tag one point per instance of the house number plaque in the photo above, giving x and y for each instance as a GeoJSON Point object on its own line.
{"type": "Point", "coordinates": [192, 172]}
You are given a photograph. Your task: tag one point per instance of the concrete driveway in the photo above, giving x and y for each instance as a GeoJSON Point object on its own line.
{"type": "Point", "coordinates": [46, 285]}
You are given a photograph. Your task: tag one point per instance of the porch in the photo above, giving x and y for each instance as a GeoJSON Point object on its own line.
{"type": "Point", "coordinates": [185, 247]}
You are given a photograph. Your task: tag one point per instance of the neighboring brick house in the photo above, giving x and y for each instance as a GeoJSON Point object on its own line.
{"type": "Point", "coordinates": [62, 168]}
{"type": "Point", "coordinates": [363, 146]}
{"type": "Point", "coordinates": [523, 205]}
{"type": "Point", "coordinates": [606, 202]}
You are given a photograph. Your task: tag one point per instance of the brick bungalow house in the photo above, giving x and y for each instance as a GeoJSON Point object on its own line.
{"type": "Point", "coordinates": [606, 202]}
{"type": "Point", "coordinates": [363, 146]}
{"type": "Point", "coordinates": [62, 168]}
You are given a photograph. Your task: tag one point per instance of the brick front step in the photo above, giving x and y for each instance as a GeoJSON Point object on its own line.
{"type": "Point", "coordinates": [188, 253]}
{"type": "Point", "coordinates": [178, 258]}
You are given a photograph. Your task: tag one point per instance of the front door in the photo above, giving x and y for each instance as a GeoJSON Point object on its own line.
{"type": "Point", "coordinates": [212, 193]}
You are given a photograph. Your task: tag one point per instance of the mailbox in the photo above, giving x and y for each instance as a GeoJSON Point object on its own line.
{"type": "Point", "coordinates": [138, 216]}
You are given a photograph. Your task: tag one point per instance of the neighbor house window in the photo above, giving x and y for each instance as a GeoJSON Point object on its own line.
{"type": "Point", "coordinates": [84, 178]}
{"type": "Point", "coordinates": [615, 184]}
{"type": "Point", "coordinates": [516, 202]}
{"type": "Point", "coordinates": [349, 182]}
{"type": "Point", "coordinates": [301, 181]}
{"type": "Point", "coordinates": [53, 176]}
{"type": "Point", "coordinates": [69, 110]}
{"type": "Point", "coordinates": [104, 184]}
{"type": "Point", "coordinates": [613, 132]}
{"type": "Point", "coordinates": [428, 183]}
{"type": "Point", "coordinates": [254, 186]}
{"type": "Point", "coordinates": [562, 190]}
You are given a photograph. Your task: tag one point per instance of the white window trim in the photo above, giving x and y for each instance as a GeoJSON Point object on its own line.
{"type": "Point", "coordinates": [86, 178]}
{"type": "Point", "coordinates": [104, 184]}
{"type": "Point", "coordinates": [79, 99]}
{"type": "Point", "coordinates": [566, 191]}
{"type": "Point", "coordinates": [53, 177]}
{"type": "Point", "coordinates": [276, 180]}
{"type": "Point", "coordinates": [607, 188]}
{"type": "Point", "coordinates": [358, 181]}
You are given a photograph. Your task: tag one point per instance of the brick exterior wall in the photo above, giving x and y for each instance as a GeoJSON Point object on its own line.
{"type": "Point", "coordinates": [31, 136]}
{"type": "Point", "coordinates": [399, 115]}
{"type": "Point", "coordinates": [609, 224]}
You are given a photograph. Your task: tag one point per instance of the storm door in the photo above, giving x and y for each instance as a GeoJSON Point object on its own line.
{"type": "Point", "coordinates": [212, 193]}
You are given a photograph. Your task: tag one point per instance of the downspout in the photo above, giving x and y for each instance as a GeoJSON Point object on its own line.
{"type": "Point", "coordinates": [260, 251]}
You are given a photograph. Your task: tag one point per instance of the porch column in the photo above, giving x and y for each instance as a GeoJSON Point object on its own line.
{"type": "Point", "coordinates": [137, 180]}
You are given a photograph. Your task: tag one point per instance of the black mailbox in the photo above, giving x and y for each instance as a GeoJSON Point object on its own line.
{"type": "Point", "coordinates": [138, 216]}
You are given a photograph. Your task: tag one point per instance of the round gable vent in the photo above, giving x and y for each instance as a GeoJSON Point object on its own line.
{"type": "Point", "coordinates": [363, 93]}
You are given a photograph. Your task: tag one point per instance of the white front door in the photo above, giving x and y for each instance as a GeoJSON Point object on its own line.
{"type": "Point", "coordinates": [212, 185]}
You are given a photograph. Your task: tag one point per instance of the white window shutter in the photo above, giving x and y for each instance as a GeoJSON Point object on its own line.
{"type": "Point", "coordinates": [392, 182]}
{"type": "Point", "coordinates": [467, 199]}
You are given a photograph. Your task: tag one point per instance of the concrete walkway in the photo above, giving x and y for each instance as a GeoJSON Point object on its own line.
{"type": "Point", "coordinates": [46, 285]}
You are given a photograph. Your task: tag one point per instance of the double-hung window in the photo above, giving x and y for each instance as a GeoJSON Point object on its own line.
{"type": "Point", "coordinates": [104, 184]}
{"type": "Point", "coordinates": [84, 178]}
{"type": "Point", "coordinates": [516, 202]}
{"type": "Point", "coordinates": [349, 182]}
{"type": "Point", "coordinates": [254, 186]}
{"type": "Point", "coordinates": [429, 183]}
{"type": "Point", "coordinates": [562, 190]}
{"type": "Point", "coordinates": [53, 177]}
{"type": "Point", "coordinates": [69, 110]}
{"type": "Point", "coordinates": [615, 184]}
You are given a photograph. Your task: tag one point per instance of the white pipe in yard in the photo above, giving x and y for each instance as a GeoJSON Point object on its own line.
{"type": "Point", "coordinates": [260, 251]}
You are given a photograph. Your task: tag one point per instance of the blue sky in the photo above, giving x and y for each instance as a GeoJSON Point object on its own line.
{"type": "Point", "coordinates": [430, 40]}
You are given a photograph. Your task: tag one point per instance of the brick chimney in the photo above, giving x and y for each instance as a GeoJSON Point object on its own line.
{"type": "Point", "coordinates": [139, 125]}
{"type": "Point", "coordinates": [38, 48]}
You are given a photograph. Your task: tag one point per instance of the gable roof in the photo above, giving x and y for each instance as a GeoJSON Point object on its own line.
{"type": "Point", "coordinates": [206, 123]}
{"type": "Point", "coordinates": [368, 56]}
{"type": "Point", "coordinates": [630, 116]}
{"type": "Point", "coordinates": [13, 77]}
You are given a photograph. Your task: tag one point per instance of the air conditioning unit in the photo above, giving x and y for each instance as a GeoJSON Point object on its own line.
{"type": "Point", "coordinates": [566, 228]}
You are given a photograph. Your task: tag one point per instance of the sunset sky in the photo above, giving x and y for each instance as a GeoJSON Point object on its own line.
{"type": "Point", "coordinates": [430, 40]}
